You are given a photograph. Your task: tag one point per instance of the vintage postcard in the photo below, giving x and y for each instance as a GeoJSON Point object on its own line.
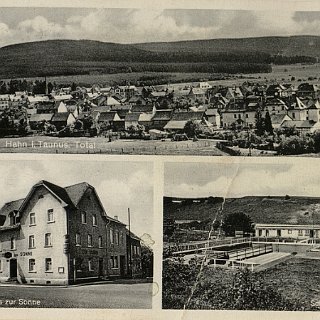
{"type": "Point", "coordinates": [148, 79]}
{"type": "Point", "coordinates": [159, 160]}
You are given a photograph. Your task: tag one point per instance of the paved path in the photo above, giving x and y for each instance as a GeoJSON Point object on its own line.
{"type": "Point", "coordinates": [111, 295]}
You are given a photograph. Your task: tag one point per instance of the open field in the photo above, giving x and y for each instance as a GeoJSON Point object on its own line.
{"type": "Point", "coordinates": [100, 145]}
{"type": "Point", "coordinates": [296, 278]}
{"type": "Point", "coordinates": [279, 73]}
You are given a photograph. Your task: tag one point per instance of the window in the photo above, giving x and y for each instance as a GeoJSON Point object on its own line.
{"type": "Point", "coordinates": [78, 239]}
{"type": "Point", "coordinates": [32, 219]}
{"type": "Point", "coordinates": [235, 116]}
{"type": "Point", "coordinates": [300, 233]}
{"type": "Point", "coordinates": [100, 242]}
{"type": "Point", "coordinates": [279, 232]}
{"type": "Point", "coordinates": [267, 233]}
{"type": "Point", "coordinates": [50, 215]}
{"type": "Point", "coordinates": [116, 236]}
{"type": "Point", "coordinates": [32, 265]}
{"type": "Point", "coordinates": [289, 231]}
{"type": "Point", "coordinates": [0, 265]}
{"type": "Point", "coordinates": [47, 240]}
{"type": "Point", "coordinates": [260, 232]}
{"type": "Point", "coordinates": [12, 243]}
{"type": "Point", "coordinates": [293, 115]}
{"type": "Point", "coordinates": [111, 236]}
{"type": "Point", "coordinates": [307, 232]}
{"type": "Point", "coordinates": [90, 266]}
{"type": "Point", "coordinates": [31, 242]}
{"type": "Point", "coordinates": [114, 262]}
{"type": "Point", "coordinates": [12, 217]}
{"type": "Point", "coordinates": [83, 217]}
{"type": "Point", "coordinates": [121, 238]}
{"type": "Point", "coordinates": [89, 240]}
{"type": "Point", "coordinates": [48, 265]}
{"type": "Point", "coordinates": [247, 116]}
{"type": "Point", "coordinates": [94, 220]}
{"type": "Point", "coordinates": [40, 196]}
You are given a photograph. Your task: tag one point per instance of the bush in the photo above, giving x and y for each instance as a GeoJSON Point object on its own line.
{"type": "Point", "coordinates": [296, 145]}
{"type": "Point", "coordinates": [221, 289]}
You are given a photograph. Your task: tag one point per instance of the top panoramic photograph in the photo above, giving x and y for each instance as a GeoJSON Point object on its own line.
{"type": "Point", "coordinates": [200, 82]}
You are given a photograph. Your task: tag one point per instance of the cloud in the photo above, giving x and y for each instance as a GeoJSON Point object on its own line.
{"type": "Point", "coordinates": [298, 180]}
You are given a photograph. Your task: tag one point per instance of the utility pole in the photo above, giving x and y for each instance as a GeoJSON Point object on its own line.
{"type": "Point", "coordinates": [130, 253]}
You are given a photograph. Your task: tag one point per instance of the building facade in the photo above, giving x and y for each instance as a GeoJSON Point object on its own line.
{"type": "Point", "coordinates": [288, 231]}
{"type": "Point", "coordinates": [60, 236]}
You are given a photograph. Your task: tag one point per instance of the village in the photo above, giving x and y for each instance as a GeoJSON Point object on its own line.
{"type": "Point", "coordinates": [241, 117]}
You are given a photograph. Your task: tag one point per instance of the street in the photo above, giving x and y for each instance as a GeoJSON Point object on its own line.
{"type": "Point", "coordinates": [111, 295]}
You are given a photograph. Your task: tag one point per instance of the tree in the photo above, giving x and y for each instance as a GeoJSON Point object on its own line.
{"type": "Point", "coordinates": [237, 221]}
{"type": "Point", "coordinates": [259, 123]}
{"type": "Point", "coordinates": [268, 124]}
{"type": "Point", "coordinates": [146, 261]}
{"type": "Point", "coordinates": [192, 129]}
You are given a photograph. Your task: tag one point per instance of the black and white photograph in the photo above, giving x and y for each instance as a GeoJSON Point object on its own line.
{"type": "Point", "coordinates": [241, 236]}
{"type": "Point", "coordinates": [160, 81]}
{"type": "Point", "coordinates": [76, 234]}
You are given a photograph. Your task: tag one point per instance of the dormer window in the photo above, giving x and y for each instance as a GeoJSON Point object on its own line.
{"type": "Point", "coordinates": [12, 219]}
{"type": "Point", "coordinates": [40, 196]}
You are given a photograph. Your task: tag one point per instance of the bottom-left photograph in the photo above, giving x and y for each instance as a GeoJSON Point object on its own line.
{"type": "Point", "coordinates": [76, 234]}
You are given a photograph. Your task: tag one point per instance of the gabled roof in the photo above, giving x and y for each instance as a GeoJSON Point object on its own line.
{"type": "Point", "coordinates": [278, 118]}
{"type": "Point", "coordinates": [162, 114]}
{"type": "Point", "coordinates": [298, 104]}
{"type": "Point", "coordinates": [142, 109]}
{"type": "Point", "coordinates": [189, 115]}
{"type": "Point", "coordinates": [57, 191]}
{"type": "Point", "coordinates": [107, 116]}
{"type": "Point", "coordinates": [76, 191]}
{"type": "Point", "coordinates": [9, 207]}
{"type": "Point", "coordinates": [35, 117]}
{"type": "Point", "coordinates": [60, 116]}
{"type": "Point", "coordinates": [132, 117]}
{"type": "Point", "coordinates": [307, 124]}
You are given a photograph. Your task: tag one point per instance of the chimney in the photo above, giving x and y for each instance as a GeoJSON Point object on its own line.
{"type": "Point", "coordinates": [116, 217]}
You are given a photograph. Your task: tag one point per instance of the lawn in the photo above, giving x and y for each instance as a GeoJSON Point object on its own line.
{"type": "Point", "coordinates": [296, 278]}
{"type": "Point", "coordinates": [101, 145]}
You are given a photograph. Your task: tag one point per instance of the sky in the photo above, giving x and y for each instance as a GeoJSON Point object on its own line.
{"type": "Point", "coordinates": [119, 185]}
{"type": "Point", "coordinates": [299, 178]}
{"type": "Point", "coordinates": [150, 24]}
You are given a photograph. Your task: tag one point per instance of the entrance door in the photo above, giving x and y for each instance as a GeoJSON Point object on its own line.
{"type": "Point", "coordinates": [122, 266]}
{"type": "Point", "coordinates": [100, 267]}
{"type": "Point", "coordinates": [13, 268]}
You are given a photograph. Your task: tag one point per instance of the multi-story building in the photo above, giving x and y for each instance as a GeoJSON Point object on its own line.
{"type": "Point", "coordinates": [60, 236]}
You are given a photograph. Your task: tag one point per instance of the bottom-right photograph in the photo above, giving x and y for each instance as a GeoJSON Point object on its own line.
{"type": "Point", "coordinates": [243, 235]}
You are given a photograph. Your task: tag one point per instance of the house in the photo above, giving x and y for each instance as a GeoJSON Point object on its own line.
{"type": "Point", "coordinates": [62, 97]}
{"type": "Point", "coordinates": [149, 108]}
{"type": "Point", "coordinates": [213, 117]}
{"type": "Point", "coordinates": [131, 119]}
{"type": "Point", "coordinates": [133, 254]}
{"type": "Point", "coordinates": [145, 119]}
{"type": "Point", "coordinates": [109, 119]}
{"type": "Point", "coordinates": [137, 100]}
{"type": "Point", "coordinates": [126, 91]}
{"type": "Point", "coordinates": [62, 119]}
{"type": "Point", "coordinates": [161, 118]}
{"type": "Point", "coordinates": [278, 119]}
{"type": "Point", "coordinates": [46, 107]}
{"type": "Point", "coordinates": [276, 106]}
{"type": "Point", "coordinates": [60, 236]}
{"type": "Point", "coordinates": [288, 231]}
{"type": "Point", "coordinates": [298, 110]}
{"type": "Point", "coordinates": [241, 118]}
{"type": "Point", "coordinates": [36, 119]}
{"type": "Point", "coordinates": [179, 119]}
{"type": "Point", "coordinates": [197, 95]}
{"type": "Point", "coordinates": [5, 102]}
{"type": "Point", "coordinates": [306, 126]}
{"type": "Point", "coordinates": [308, 90]}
